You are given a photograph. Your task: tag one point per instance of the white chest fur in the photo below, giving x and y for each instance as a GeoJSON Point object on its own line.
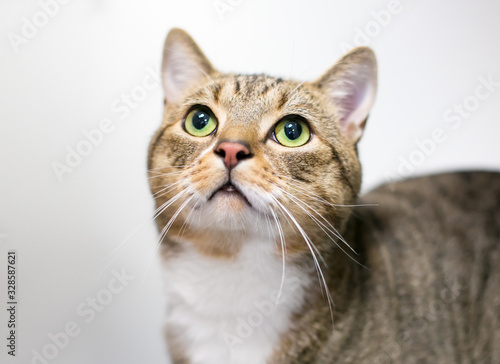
{"type": "Point", "coordinates": [225, 311]}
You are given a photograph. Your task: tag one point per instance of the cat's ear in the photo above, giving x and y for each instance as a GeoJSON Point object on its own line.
{"type": "Point", "coordinates": [184, 64]}
{"type": "Point", "coordinates": [351, 84]}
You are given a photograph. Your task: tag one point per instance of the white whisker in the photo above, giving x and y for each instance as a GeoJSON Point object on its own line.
{"type": "Point", "coordinates": [283, 255]}
{"type": "Point", "coordinates": [310, 244]}
{"type": "Point", "coordinates": [165, 174]}
{"type": "Point", "coordinates": [124, 242]}
{"type": "Point", "coordinates": [322, 226]}
{"type": "Point", "coordinates": [292, 183]}
{"type": "Point", "coordinates": [335, 232]}
{"type": "Point", "coordinates": [166, 189]}
{"type": "Point", "coordinates": [163, 233]}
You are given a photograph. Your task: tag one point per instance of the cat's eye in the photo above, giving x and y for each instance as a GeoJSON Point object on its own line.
{"type": "Point", "coordinates": [200, 122]}
{"type": "Point", "coordinates": [292, 131]}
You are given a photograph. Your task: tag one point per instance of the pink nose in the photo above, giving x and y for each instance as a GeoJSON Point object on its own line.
{"type": "Point", "coordinates": [232, 152]}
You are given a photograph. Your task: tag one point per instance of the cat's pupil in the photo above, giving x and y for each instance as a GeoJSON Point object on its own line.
{"type": "Point", "coordinates": [293, 130]}
{"type": "Point", "coordinates": [200, 119]}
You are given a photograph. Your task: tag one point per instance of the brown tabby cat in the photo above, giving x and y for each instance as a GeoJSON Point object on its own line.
{"type": "Point", "coordinates": [266, 258]}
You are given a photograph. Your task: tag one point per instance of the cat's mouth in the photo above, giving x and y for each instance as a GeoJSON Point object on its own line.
{"type": "Point", "coordinates": [229, 190]}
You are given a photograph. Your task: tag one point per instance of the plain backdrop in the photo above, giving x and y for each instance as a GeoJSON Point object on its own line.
{"type": "Point", "coordinates": [81, 60]}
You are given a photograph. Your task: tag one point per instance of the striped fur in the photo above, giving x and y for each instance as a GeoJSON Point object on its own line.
{"type": "Point", "coordinates": [421, 283]}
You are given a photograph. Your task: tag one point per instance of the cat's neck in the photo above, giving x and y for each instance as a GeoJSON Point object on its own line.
{"type": "Point", "coordinates": [236, 308]}
{"type": "Point", "coordinates": [239, 307]}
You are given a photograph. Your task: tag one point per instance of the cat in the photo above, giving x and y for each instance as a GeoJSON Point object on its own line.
{"type": "Point", "coordinates": [270, 256]}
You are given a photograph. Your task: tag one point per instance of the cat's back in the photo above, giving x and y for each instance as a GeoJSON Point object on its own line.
{"type": "Point", "coordinates": [432, 249]}
{"type": "Point", "coordinates": [461, 205]}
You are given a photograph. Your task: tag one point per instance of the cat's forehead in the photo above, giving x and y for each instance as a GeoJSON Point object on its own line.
{"type": "Point", "coordinates": [247, 97]}
{"type": "Point", "coordinates": [251, 87]}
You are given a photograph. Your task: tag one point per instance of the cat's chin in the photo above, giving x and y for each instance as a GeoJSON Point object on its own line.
{"type": "Point", "coordinates": [226, 211]}
{"type": "Point", "coordinates": [230, 197]}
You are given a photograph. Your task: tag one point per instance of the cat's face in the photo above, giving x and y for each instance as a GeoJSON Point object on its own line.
{"type": "Point", "coordinates": [255, 154]}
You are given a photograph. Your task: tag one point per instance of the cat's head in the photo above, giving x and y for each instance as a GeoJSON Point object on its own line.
{"type": "Point", "coordinates": [253, 154]}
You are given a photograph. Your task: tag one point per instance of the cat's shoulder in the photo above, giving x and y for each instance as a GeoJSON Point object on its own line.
{"type": "Point", "coordinates": [472, 189]}
{"type": "Point", "coordinates": [458, 206]}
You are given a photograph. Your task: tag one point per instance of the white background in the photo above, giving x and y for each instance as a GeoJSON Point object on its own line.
{"type": "Point", "coordinates": [65, 79]}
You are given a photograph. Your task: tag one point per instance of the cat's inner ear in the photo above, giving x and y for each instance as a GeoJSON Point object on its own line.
{"type": "Point", "coordinates": [184, 65]}
{"type": "Point", "coordinates": [351, 84]}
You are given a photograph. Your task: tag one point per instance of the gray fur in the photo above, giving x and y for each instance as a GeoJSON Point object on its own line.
{"type": "Point", "coordinates": [430, 292]}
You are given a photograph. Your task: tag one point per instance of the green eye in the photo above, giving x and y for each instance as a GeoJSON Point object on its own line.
{"type": "Point", "coordinates": [292, 131]}
{"type": "Point", "coordinates": [200, 122]}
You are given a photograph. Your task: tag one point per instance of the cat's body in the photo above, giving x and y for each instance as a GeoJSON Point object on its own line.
{"type": "Point", "coordinates": [255, 179]}
{"type": "Point", "coordinates": [431, 293]}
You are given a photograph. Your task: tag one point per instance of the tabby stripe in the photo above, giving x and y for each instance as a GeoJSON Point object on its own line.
{"type": "Point", "coordinates": [157, 136]}
{"type": "Point", "coordinates": [216, 91]}
{"type": "Point", "coordinates": [300, 178]}
{"type": "Point", "coordinates": [179, 160]}
{"type": "Point", "coordinates": [282, 101]}
{"type": "Point", "coordinates": [343, 170]}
